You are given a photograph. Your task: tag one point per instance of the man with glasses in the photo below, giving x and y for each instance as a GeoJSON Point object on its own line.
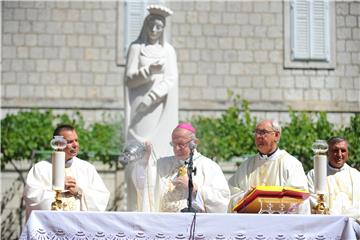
{"type": "Point", "coordinates": [343, 181]}
{"type": "Point", "coordinates": [270, 167]}
{"type": "Point", "coordinates": [164, 184]}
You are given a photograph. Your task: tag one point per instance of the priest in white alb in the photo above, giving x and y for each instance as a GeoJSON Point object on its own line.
{"type": "Point", "coordinates": [84, 188]}
{"type": "Point", "coordinates": [270, 167]}
{"type": "Point", "coordinates": [162, 184]}
{"type": "Point", "coordinates": [342, 195]}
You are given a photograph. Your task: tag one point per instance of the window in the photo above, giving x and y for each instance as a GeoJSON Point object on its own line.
{"type": "Point", "coordinates": [309, 34]}
{"type": "Point", "coordinates": [135, 12]}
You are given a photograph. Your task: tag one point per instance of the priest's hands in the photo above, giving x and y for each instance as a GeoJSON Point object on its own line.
{"type": "Point", "coordinates": [71, 186]}
{"type": "Point", "coordinates": [181, 182]}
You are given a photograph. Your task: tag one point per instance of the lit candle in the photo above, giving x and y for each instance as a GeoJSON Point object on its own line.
{"type": "Point", "coordinates": [58, 170]}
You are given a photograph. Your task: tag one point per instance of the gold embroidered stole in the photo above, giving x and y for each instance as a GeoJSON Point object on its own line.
{"type": "Point", "coordinates": [340, 188]}
{"type": "Point", "coordinates": [266, 172]}
{"type": "Point", "coordinates": [69, 201]}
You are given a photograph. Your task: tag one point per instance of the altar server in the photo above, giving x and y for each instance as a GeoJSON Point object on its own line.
{"type": "Point", "coordinates": [84, 188]}
{"type": "Point", "coordinates": [270, 167]}
{"type": "Point", "coordinates": [342, 181]}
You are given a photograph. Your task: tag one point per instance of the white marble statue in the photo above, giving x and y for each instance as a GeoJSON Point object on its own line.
{"type": "Point", "coordinates": [151, 88]}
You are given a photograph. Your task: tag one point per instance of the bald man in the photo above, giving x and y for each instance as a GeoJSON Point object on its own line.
{"type": "Point", "coordinates": [270, 167]}
{"type": "Point", "coordinates": [162, 185]}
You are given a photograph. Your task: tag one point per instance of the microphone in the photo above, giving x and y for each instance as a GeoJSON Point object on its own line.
{"type": "Point", "coordinates": [133, 151]}
{"type": "Point", "coordinates": [192, 145]}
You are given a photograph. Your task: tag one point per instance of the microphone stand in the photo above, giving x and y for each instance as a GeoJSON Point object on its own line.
{"type": "Point", "coordinates": [190, 170]}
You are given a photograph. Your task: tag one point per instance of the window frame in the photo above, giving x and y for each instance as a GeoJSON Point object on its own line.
{"type": "Point", "coordinates": [309, 63]}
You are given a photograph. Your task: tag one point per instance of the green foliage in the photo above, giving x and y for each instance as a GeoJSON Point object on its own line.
{"type": "Point", "coordinates": [24, 132]}
{"type": "Point", "coordinates": [302, 131]}
{"type": "Point", "coordinates": [104, 142]}
{"type": "Point", "coordinates": [221, 138]}
{"type": "Point", "coordinates": [231, 135]}
{"type": "Point", "coordinates": [99, 141]}
{"type": "Point", "coordinates": [228, 136]}
{"type": "Point", "coordinates": [352, 134]}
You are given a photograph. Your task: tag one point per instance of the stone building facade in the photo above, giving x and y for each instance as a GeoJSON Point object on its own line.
{"type": "Point", "coordinates": [65, 55]}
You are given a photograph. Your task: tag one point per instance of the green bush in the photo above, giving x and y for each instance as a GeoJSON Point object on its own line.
{"type": "Point", "coordinates": [305, 128]}
{"type": "Point", "coordinates": [24, 132]}
{"type": "Point", "coordinates": [221, 138]}
{"type": "Point", "coordinates": [98, 142]}
{"type": "Point", "coordinates": [29, 131]}
{"type": "Point", "coordinates": [352, 134]}
{"type": "Point", "coordinates": [302, 131]}
{"type": "Point", "coordinates": [231, 134]}
{"type": "Point", "coordinates": [228, 136]}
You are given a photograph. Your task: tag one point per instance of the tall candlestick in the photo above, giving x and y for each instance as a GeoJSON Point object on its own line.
{"type": "Point", "coordinates": [320, 148]}
{"type": "Point", "coordinates": [320, 162]}
{"type": "Point", "coordinates": [58, 143]}
{"type": "Point", "coordinates": [58, 170]}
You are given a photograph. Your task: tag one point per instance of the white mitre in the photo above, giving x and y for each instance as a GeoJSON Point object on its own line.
{"type": "Point", "coordinates": [159, 10]}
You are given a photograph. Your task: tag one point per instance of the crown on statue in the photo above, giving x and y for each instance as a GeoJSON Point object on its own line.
{"type": "Point", "coordinates": [159, 10]}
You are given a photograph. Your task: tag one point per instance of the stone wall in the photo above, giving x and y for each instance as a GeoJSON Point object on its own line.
{"type": "Point", "coordinates": [240, 46]}
{"type": "Point", "coordinates": [62, 55]}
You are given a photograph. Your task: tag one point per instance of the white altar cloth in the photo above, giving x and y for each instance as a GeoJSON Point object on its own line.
{"type": "Point", "coordinates": [135, 225]}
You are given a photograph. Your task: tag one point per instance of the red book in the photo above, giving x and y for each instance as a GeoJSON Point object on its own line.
{"type": "Point", "coordinates": [279, 198]}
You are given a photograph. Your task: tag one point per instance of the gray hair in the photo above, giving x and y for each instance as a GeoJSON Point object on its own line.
{"type": "Point", "coordinates": [275, 126]}
{"type": "Point", "coordinates": [333, 140]}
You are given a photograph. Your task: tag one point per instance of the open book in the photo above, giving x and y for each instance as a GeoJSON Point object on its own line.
{"type": "Point", "coordinates": [269, 199]}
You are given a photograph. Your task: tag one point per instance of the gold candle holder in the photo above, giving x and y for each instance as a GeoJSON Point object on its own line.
{"type": "Point", "coordinates": [58, 143]}
{"type": "Point", "coordinates": [320, 147]}
{"type": "Point", "coordinates": [57, 205]}
{"type": "Point", "coordinates": [320, 207]}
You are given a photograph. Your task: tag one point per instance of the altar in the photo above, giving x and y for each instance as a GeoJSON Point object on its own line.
{"type": "Point", "coordinates": [136, 225]}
